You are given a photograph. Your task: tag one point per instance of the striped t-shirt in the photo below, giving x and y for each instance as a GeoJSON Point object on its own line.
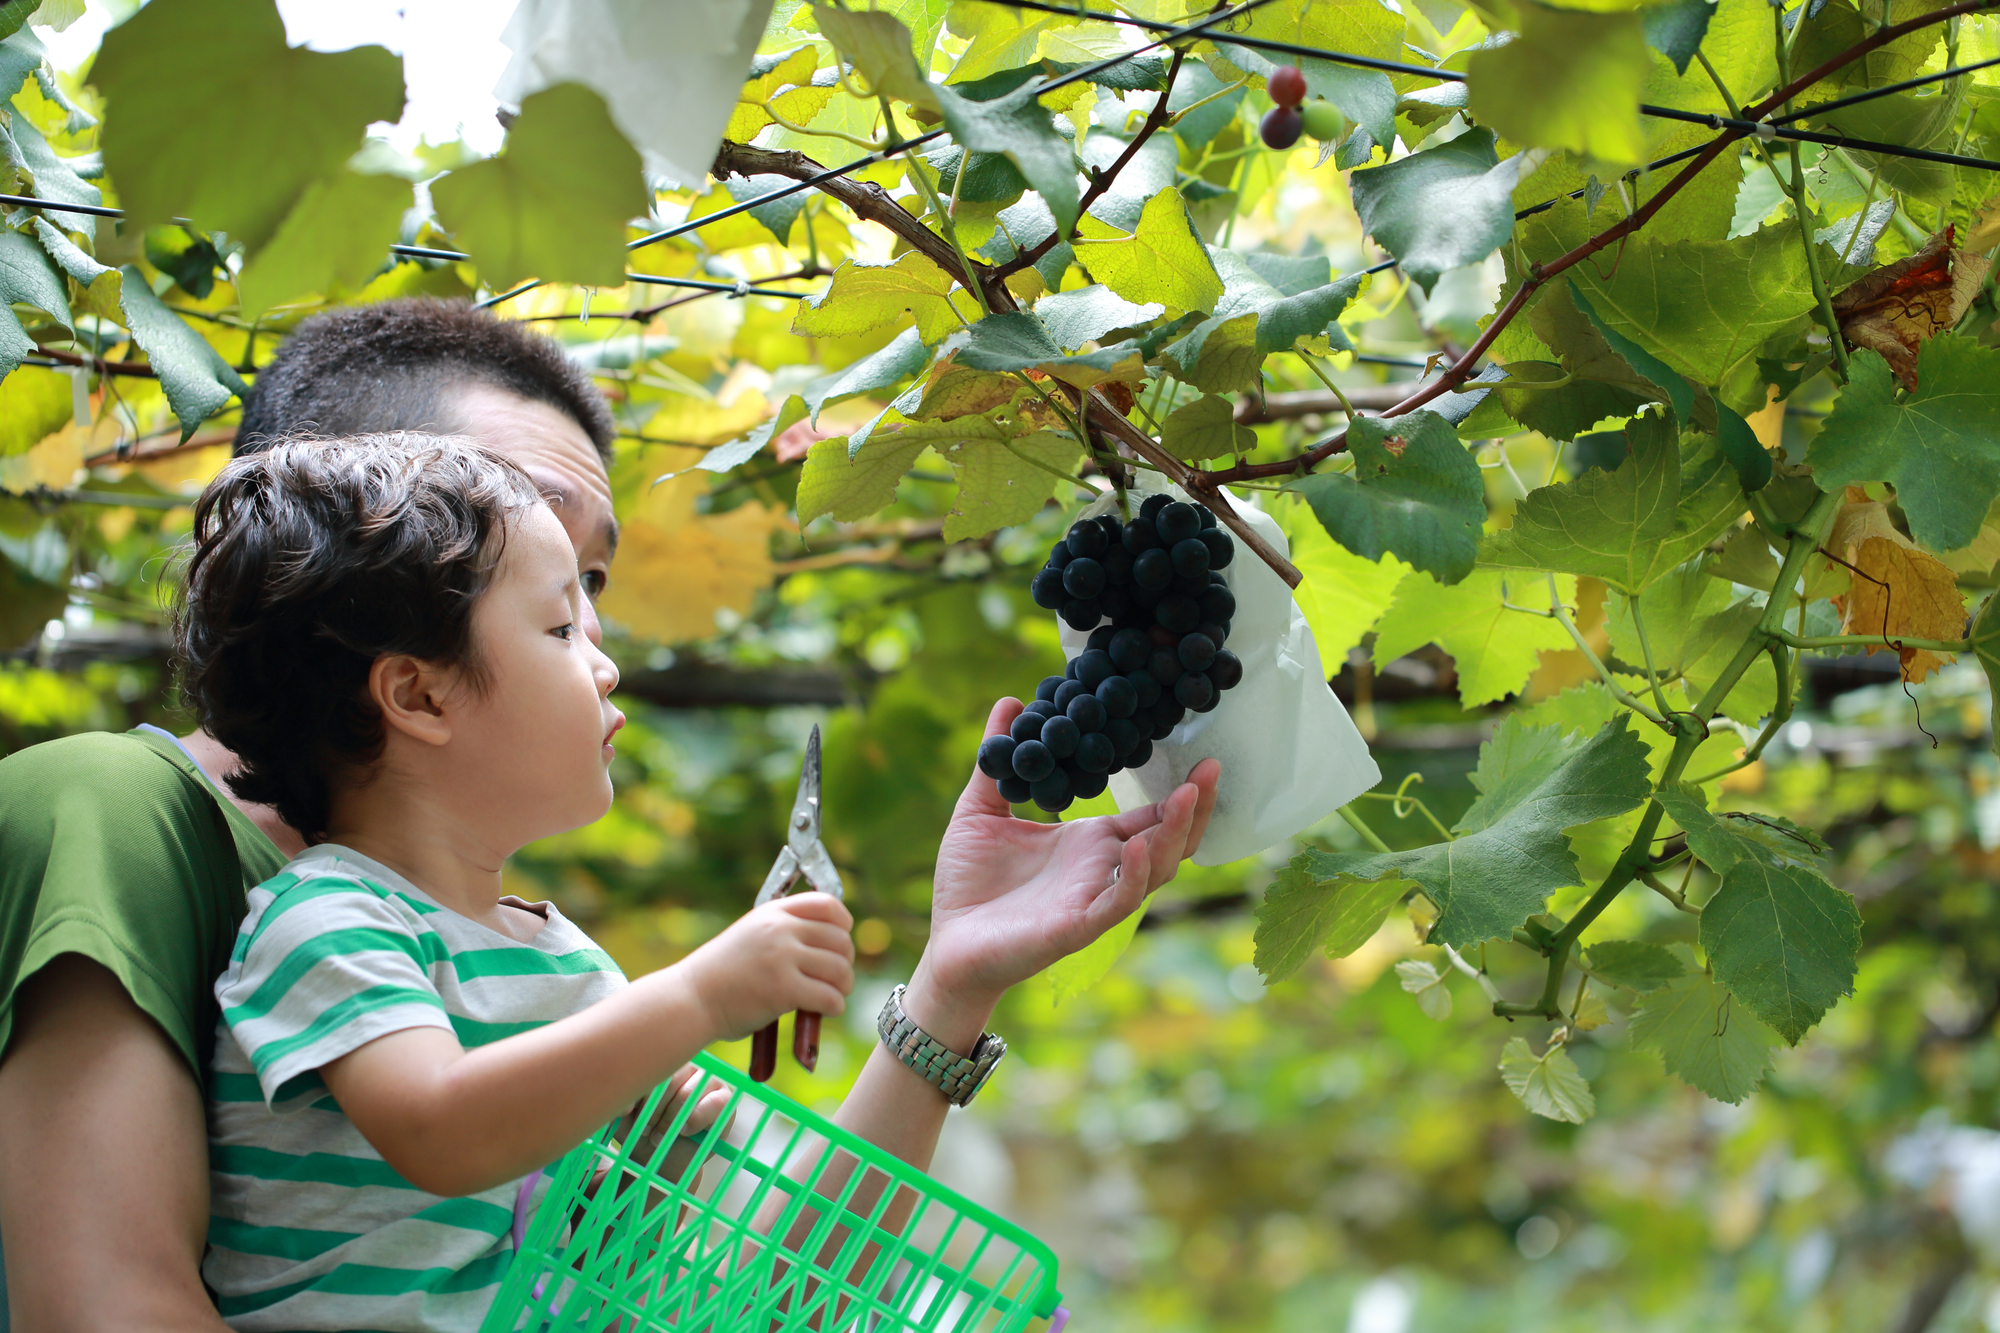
{"type": "Point", "coordinates": [309, 1227]}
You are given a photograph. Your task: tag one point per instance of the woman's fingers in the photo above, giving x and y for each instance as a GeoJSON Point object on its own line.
{"type": "Point", "coordinates": [1169, 843]}
{"type": "Point", "coordinates": [1207, 779]}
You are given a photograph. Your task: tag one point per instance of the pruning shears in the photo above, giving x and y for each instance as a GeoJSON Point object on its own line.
{"type": "Point", "coordinates": [804, 857]}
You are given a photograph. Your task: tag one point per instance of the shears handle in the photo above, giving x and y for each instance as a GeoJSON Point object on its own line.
{"type": "Point", "coordinates": [805, 1046]}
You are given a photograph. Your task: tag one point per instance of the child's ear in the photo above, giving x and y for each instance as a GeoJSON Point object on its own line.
{"type": "Point", "coordinates": [413, 697]}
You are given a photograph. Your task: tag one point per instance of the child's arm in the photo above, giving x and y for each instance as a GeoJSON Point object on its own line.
{"type": "Point", "coordinates": [453, 1121]}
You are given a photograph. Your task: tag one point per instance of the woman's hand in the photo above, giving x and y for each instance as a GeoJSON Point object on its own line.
{"type": "Point", "coordinates": [1012, 896]}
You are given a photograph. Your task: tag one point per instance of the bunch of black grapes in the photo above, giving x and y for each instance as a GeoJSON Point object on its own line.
{"type": "Point", "coordinates": [1158, 611]}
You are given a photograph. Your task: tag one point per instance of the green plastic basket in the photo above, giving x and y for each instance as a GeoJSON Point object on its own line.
{"type": "Point", "coordinates": [776, 1221]}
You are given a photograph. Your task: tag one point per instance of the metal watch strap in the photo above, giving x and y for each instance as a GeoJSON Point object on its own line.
{"type": "Point", "coordinates": [958, 1077]}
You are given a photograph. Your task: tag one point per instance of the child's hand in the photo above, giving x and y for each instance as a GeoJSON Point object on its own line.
{"type": "Point", "coordinates": [792, 953]}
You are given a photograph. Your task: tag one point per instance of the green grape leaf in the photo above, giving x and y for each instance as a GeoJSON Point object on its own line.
{"type": "Point", "coordinates": [1218, 355]}
{"type": "Point", "coordinates": [1491, 880]}
{"type": "Point", "coordinates": [1162, 260]}
{"type": "Point", "coordinates": [1016, 340]}
{"type": "Point", "coordinates": [736, 453]}
{"type": "Point", "coordinates": [1415, 492]}
{"type": "Point", "coordinates": [1019, 127]}
{"type": "Point", "coordinates": [1985, 636]}
{"type": "Point", "coordinates": [288, 116]}
{"type": "Point", "coordinates": [1548, 1084]}
{"type": "Point", "coordinates": [335, 236]}
{"type": "Point", "coordinates": [1496, 649]}
{"type": "Point", "coordinates": [196, 379]}
{"type": "Point", "coordinates": [68, 256]}
{"type": "Point", "coordinates": [27, 276]}
{"type": "Point", "coordinates": [1570, 80]}
{"type": "Point", "coordinates": [1705, 1036]}
{"type": "Point", "coordinates": [1001, 481]}
{"type": "Point", "coordinates": [1719, 841]}
{"type": "Point", "coordinates": [554, 204]}
{"type": "Point", "coordinates": [55, 177]}
{"type": "Point", "coordinates": [1439, 209]}
{"type": "Point", "coordinates": [1341, 595]}
{"type": "Point", "coordinates": [1693, 629]}
{"type": "Point", "coordinates": [879, 48]}
{"type": "Point", "coordinates": [777, 216]}
{"type": "Point", "coordinates": [14, 343]}
{"type": "Point", "coordinates": [1421, 979]}
{"type": "Point", "coordinates": [851, 489]}
{"type": "Point", "coordinates": [955, 391]}
{"type": "Point", "coordinates": [901, 357]}
{"type": "Point", "coordinates": [1680, 394]}
{"type": "Point", "coordinates": [1939, 446]}
{"type": "Point", "coordinates": [12, 15]}
{"type": "Point", "coordinates": [1633, 964]}
{"type": "Point", "coordinates": [1309, 314]}
{"type": "Point", "coordinates": [33, 402]}
{"type": "Point", "coordinates": [1073, 974]}
{"type": "Point", "coordinates": [1205, 428]}
{"type": "Point", "coordinates": [862, 298]}
{"type": "Point", "coordinates": [1514, 760]}
{"type": "Point", "coordinates": [1086, 314]}
{"type": "Point", "coordinates": [1784, 941]}
{"type": "Point", "coordinates": [1630, 526]}
{"type": "Point", "coordinates": [1675, 29]}
{"type": "Point", "coordinates": [1304, 910]}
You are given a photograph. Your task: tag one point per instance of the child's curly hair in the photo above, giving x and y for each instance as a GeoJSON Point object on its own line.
{"type": "Point", "coordinates": [313, 558]}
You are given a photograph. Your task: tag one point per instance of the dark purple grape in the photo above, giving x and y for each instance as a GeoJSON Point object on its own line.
{"type": "Point", "coordinates": [1145, 686]}
{"type": "Point", "coordinates": [1116, 601]}
{"type": "Point", "coordinates": [1047, 689]}
{"type": "Point", "coordinates": [1069, 670]}
{"type": "Point", "coordinates": [1082, 613]}
{"type": "Point", "coordinates": [1190, 560]}
{"type": "Point", "coordinates": [1167, 714]}
{"type": "Point", "coordinates": [1142, 721]}
{"type": "Point", "coordinates": [1147, 598]}
{"type": "Point", "coordinates": [1214, 702]}
{"type": "Point", "coordinates": [1032, 761]}
{"type": "Point", "coordinates": [1052, 793]}
{"type": "Point", "coordinates": [1026, 727]}
{"type": "Point", "coordinates": [1226, 671]}
{"type": "Point", "coordinates": [1100, 637]}
{"type": "Point", "coordinates": [1117, 564]}
{"type": "Point", "coordinates": [1207, 517]}
{"type": "Point", "coordinates": [1177, 613]}
{"type": "Point", "coordinates": [1176, 523]}
{"type": "Point", "coordinates": [1087, 539]}
{"type": "Point", "coordinates": [1165, 668]}
{"type": "Point", "coordinates": [1139, 537]}
{"type": "Point", "coordinates": [1193, 587]}
{"type": "Point", "coordinates": [1087, 712]}
{"type": "Point", "coordinates": [1068, 690]}
{"type": "Point", "coordinates": [1118, 697]}
{"type": "Point", "coordinates": [1124, 734]}
{"type": "Point", "coordinates": [1047, 588]}
{"type": "Point", "coordinates": [1013, 790]}
{"type": "Point", "coordinates": [1153, 504]}
{"type": "Point", "coordinates": [1060, 735]}
{"type": "Point", "coordinates": [1193, 690]}
{"type": "Point", "coordinates": [1095, 753]}
{"type": "Point", "coordinates": [1221, 550]}
{"type": "Point", "coordinates": [1216, 631]}
{"type": "Point", "coordinates": [1059, 555]}
{"type": "Point", "coordinates": [1152, 569]}
{"type": "Point", "coordinates": [1093, 666]}
{"type": "Point", "coordinates": [1129, 649]}
{"type": "Point", "coordinates": [1113, 529]}
{"type": "Point", "coordinates": [1042, 708]}
{"type": "Point", "coordinates": [996, 756]}
{"type": "Point", "coordinates": [1142, 754]}
{"type": "Point", "coordinates": [1218, 603]}
{"type": "Point", "coordinates": [1197, 651]}
{"type": "Point", "coordinates": [1282, 127]}
{"type": "Point", "coordinates": [1083, 785]}
{"type": "Point", "coordinates": [1084, 577]}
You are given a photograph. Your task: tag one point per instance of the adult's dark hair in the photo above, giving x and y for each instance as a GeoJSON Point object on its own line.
{"type": "Point", "coordinates": [313, 558]}
{"type": "Point", "coordinates": [392, 366]}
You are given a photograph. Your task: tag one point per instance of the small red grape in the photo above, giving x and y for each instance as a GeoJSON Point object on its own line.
{"type": "Point", "coordinates": [1282, 126]}
{"type": "Point", "coordinates": [1287, 85]}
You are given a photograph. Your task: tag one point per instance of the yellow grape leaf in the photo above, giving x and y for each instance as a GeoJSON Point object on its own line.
{"type": "Point", "coordinates": [1342, 594]}
{"type": "Point", "coordinates": [854, 488]}
{"type": "Point", "coordinates": [672, 579]}
{"type": "Point", "coordinates": [880, 49]}
{"type": "Point", "coordinates": [865, 297]}
{"type": "Point", "coordinates": [1163, 260]}
{"type": "Point", "coordinates": [1205, 428]}
{"type": "Point", "coordinates": [33, 402]}
{"type": "Point", "coordinates": [1903, 592]}
{"type": "Point", "coordinates": [1000, 483]}
{"type": "Point", "coordinates": [1496, 649]}
{"type": "Point", "coordinates": [795, 71]}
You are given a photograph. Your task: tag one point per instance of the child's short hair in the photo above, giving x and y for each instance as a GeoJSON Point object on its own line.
{"type": "Point", "coordinates": [313, 558]}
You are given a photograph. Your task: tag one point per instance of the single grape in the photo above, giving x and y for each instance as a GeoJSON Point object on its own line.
{"type": "Point", "coordinates": [1100, 637]}
{"type": "Point", "coordinates": [1214, 702]}
{"type": "Point", "coordinates": [1287, 85]}
{"type": "Point", "coordinates": [1146, 599]}
{"type": "Point", "coordinates": [1322, 120]}
{"type": "Point", "coordinates": [1217, 603]}
{"type": "Point", "coordinates": [1093, 666]}
{"type": "Point", "coordinates": [1047, 588]}
{"type": "Point", "coordinates": [1207, 518]}
{"type": "Point", "coordinates": [1216, 631]}
{"type": "Point", "coordinates": [1193, 690]}
{"type": "Point", "coordinates": [1083, 577]}
{"type": "Point", "coordinates": [1145, 686]}
{"type": "Point", "coordinates": [1117, 564]}
{"type": "Point", "coordinates": [1221, 548]}
{"type": "Point", "coordinates": [1282, 126]}
{"type": "Point", "coordinates": [1139, 536]}
{"type": "Point", "coordinates": [1052, 793]}
{"type": "Point", "coordinates": [1069, 669]}
{"type": "Point", "coordinates": [1086, 539]}
{"type": "Point", "coordinates": [1160, 636]}
{"type": "Point", "coordinates": [1152, 569]}
{"type": "Point", "coordinates": [1226, 671]}
{"type": "Point", "coordinates": [1095, 753]}
{"type": "Point", "coordinates": [1083, 785]}
{"type": "Point", "coordinates": [1167, 714]}
{"type": "Point", "coordinates": [1142, 722]}
{"type": "Point", "coordinates": [1068, 690]}
{"type": "Point", "coordinates": [1165, 668]}
{"type": "Point", "coordinates": [1178, 613]}
{"type": "Point", "coordinates": [1013, 790]}
{"type": "Point", "coordinates": [1059, 555]}
{"type": "Point", "coordinates": [1026, 727]}
{"type": "Point", "coordinates": [1116, 601]}
{"type": "Point", "coordinates": [1197, 651]}
{"type": "Point", "coordinates": [1123, 733]}
{"type": "Point", "coordinates": [1129, 649]}
{"type": "Point", "coordinates": [1176, 523]}
{"type": "Point", "coordinates": [1190, 559]}
{"type": "Point", "coordinates": [1082, 613]}
{"type": "Point", "coordinates": [1153, 504]}
{"type": "Point", "coordinates": [1060, 734]}
{"type": "Point", "coordinates": [996, 756]}
{"type": "Point", "coordinates": [1087, 712]}
{"type": "Point", "coordinates": [1142, 754]}
{"type": "Point", "coordinates": [1113, 529]}
{"type": "Point", "coordinates": [1118, 697]}
{"type": "Point", "coordinates": [1032, 761]}
{"type": "Point", "coordinates": [1047, 689]}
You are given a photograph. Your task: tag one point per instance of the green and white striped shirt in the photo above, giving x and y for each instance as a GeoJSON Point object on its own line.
{"type": "Point", "coordinates": [309, 1227]}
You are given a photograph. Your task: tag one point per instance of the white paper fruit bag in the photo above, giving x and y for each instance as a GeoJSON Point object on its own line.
{"type": "Point", "coordinates": [1290, 754]}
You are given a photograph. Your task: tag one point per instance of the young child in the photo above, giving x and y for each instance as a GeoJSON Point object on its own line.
{"type": "Point", "coordinates": [387, 632]}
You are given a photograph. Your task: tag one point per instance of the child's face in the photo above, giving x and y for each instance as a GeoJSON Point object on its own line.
{"type": "Point", "coordinates": [536, 744]}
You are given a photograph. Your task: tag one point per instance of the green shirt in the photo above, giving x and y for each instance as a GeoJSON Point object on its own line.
{"type": "Point", "coordinates": [117, 848]}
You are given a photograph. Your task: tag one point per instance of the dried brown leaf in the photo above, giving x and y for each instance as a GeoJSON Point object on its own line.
{"type": "Point", "coordinates": [1894, 309]}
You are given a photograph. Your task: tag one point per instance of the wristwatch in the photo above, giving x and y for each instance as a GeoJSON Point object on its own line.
{"type": "Point", "coordinates": [958, 1077]}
